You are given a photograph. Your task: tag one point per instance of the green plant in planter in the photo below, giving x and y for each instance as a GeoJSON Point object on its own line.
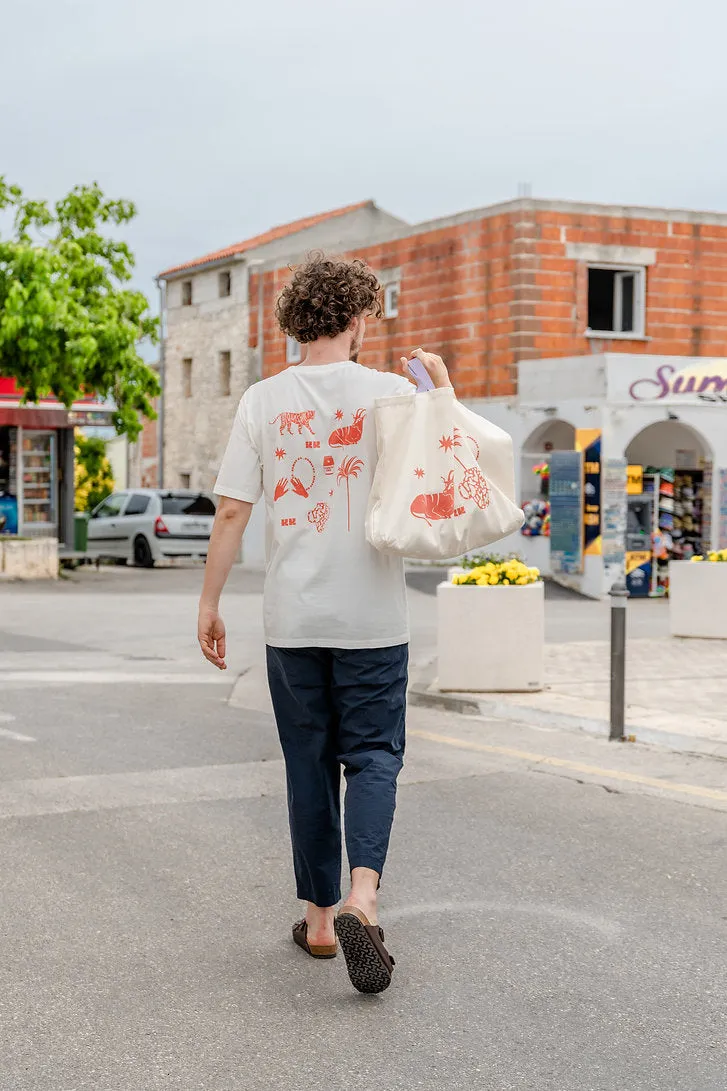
{"type": "Point", "coordinates": [478, 560]}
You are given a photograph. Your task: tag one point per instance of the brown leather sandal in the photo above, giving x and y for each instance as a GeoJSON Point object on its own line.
{"type": "Point", "coordinates": [369, 964]}
{"type": "Point", "coordinates": [300, 936]}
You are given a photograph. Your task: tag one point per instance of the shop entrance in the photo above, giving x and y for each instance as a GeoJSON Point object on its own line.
{"type": "Point", "coordinates": [552, 435]}
{"type": "Point", "coordinates": [669, 503]}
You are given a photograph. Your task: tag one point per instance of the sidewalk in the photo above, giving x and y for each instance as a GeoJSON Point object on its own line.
{"type": "Point", "coordinates": [676, 693]}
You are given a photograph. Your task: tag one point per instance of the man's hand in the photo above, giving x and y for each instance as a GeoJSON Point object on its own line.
{"type": "Point", "coordinates": [230, 521]}
{"type": "Point", "coordinates": [211, 636]}
{"type": "Point", "coordinates": [435, 365]}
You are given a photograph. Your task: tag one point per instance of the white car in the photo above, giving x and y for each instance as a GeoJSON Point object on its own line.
{"type": "Point", "coordinates": [145, 525]}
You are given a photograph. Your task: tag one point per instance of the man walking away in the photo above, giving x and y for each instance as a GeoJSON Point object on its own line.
{"type": "Point", "coordinates": [336, 623]}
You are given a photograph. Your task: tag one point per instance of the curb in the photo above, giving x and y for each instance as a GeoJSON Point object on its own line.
{"type": "Point", "coordinates": [424, 696]}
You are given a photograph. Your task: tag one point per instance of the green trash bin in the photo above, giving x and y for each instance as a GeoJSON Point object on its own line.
{"type": "Point", "coordinates": [80, 531]}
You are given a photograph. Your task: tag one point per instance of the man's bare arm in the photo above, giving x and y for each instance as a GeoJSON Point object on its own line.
{"type": "Point", "coordinates": [230, 524]}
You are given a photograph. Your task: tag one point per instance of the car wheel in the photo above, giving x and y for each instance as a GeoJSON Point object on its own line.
{"type": "Point", "coordinates": [120, 560]}
{"type": "Point", "coordinates": [142, 553]}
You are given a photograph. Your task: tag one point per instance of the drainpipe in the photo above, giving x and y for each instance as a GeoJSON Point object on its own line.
{"type": "Point", "coordinates": [161, 285]}
{"type": "Point", "coordinates": [260, 312]}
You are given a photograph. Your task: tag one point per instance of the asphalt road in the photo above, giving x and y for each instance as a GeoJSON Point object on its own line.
{"type": "Point", "coordinates": [556, 906]}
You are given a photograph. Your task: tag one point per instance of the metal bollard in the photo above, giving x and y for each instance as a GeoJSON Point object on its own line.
{"type": "Point", "coordinates": [619, 597]}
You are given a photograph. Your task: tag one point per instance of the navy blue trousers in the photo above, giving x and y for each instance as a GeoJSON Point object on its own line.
{"type": "Point", "coordinates": [339, 709]}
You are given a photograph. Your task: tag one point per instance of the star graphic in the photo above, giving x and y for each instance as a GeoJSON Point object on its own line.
{"type": "Point", "coordinates": [280, 453]}
{"type": "Point", "coordinates": [331, 493]}
{"type": "Point", "coordinates": [419, 472]}
{"type": "Point", "coordinates": [339, 414]}
{"type": "Point", "coordinates": [446, 443]}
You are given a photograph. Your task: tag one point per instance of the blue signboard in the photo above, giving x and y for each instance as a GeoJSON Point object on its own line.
{"type": "Point", "coordinates": [566, 511]}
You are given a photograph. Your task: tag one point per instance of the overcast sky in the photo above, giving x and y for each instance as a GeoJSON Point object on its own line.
{"type": "Point", "coordinates": [221, 118]}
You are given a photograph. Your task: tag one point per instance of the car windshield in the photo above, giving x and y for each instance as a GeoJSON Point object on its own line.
{"type": "Point", "coordinates": [187, 505]}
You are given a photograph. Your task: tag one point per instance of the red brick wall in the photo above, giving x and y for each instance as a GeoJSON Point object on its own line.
{"type": "Point", "coordinates": [494, 290]}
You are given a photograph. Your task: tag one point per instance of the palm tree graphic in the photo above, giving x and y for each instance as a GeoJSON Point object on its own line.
{"type": "Point", "coordinates": [350, 467]}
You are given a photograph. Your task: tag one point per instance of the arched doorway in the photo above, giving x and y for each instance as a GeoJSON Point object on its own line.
{"type": "Point", "coordinates": [670, 501]}
{"type": "Point", "coordinates": [550, 436]}
{"type": "Point", "coordinates": [669, 443]}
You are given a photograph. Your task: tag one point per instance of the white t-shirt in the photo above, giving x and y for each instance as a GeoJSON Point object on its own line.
{"type": "Point", "coordinates": [306, 440]}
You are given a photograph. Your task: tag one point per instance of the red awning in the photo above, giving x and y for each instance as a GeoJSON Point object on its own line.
{"type": "Point", "coordinates": [31, 416]}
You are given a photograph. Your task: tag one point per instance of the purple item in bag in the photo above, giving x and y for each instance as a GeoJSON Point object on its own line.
{"type": "Point", "coordinates": [420, 375]}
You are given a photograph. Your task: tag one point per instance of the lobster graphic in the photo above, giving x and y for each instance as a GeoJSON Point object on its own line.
{"type": "Point", "coordinates": [319, 516]}
{"type": "Point", "coordinates": [431, 506]}
{"type": "Point", "coordinates": [350, 434]}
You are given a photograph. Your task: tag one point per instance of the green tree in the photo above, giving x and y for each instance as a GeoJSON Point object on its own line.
{"type": "Point", "coordinates": [69, 324]}
{"type": "Point", "coordinates": [94, 479]}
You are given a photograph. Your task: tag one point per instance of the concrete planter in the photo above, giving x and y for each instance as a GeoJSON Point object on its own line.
{"type": "Point", "coordinates": [491, 639]}
{"type": "Point", "coordinates": [455, 570]}
{"type": "Point", "coordinates": [31, 559]}
{"type": "Point", "coordinates": [698, 599]}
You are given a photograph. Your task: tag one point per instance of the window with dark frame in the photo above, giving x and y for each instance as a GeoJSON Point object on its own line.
{"type": "Point", "coordinates": [186, 293]}
{"type": "Point", "coordinates": [225, 374]}
{"type": "Point", "coordinates": [616, 300]}
{"type": "Point", "coordinates": [184, 482]}
{"type": "Point", "coordinates": [225, 283]}
{"type": "Point", "coordinates": [187, 376]}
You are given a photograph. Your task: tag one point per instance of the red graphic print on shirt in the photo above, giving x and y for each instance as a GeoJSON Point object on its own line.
{"type": "Point", "coordinates": [301, 420]}
{"type": "Point", "coordinates": [350, 434]}
{"type": "Point", "coordinates": [295, 481]}
{"type": "Point", "coordinates": [419, 472]}
{"type": "Point", "coordinates": [280, 453]}
{"type": "Point", "coordinates": [319, 516]}
{"type": "Point", "coordinates": [350, 468]}
{"type": "Point", "coordinates": [280, 489]}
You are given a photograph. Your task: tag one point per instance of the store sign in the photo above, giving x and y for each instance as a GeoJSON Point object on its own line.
{"type": "Point", "coordinates": [634, 480]}
{"type": "Point", "coordinates": [614, 518]}
{"type": "Point", "coordinates": [588, 440]}
{"type": "Point", "coordinates": [566, 511]}
{"type": "Point", "coordinates": [696, 382]}
{"type": "Point", "coordinates": [99, 417]}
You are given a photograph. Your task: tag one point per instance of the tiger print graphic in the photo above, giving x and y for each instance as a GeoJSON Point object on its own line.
{"type": "Point", "coordinates": [302, 420]}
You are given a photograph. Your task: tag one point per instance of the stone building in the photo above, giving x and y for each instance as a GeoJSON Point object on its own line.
{"type": "Point", "coordinates": [209, 357]}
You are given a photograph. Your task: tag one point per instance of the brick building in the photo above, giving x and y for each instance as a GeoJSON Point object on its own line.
{"type": "Point", "coordinates": [529, 279]}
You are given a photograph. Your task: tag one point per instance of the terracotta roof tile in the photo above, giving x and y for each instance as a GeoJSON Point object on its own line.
{"type": "Point", "coordinates": [266, 237]}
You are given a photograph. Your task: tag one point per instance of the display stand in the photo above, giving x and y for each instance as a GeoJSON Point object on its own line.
{"type": "Point", "coordinates": [677, 520]}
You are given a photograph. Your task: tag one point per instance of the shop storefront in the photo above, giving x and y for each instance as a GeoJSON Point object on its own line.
{"type": "Point", "coordinates": [37, 464]}
{"type": "Point", "coordinates": [621, 463]}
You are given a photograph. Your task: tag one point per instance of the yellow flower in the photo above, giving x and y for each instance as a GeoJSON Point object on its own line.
{"type": "Point", "coordinates": [697, 558]}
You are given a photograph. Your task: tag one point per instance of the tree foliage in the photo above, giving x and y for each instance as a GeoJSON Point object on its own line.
{"type": "Point", "coordinates": [94, 478]}
{"type": "Point", "coordinates": [69, 324]}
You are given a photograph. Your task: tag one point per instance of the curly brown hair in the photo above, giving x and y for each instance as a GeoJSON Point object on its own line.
{"type": "Point", "coordinates": [325, 296]}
